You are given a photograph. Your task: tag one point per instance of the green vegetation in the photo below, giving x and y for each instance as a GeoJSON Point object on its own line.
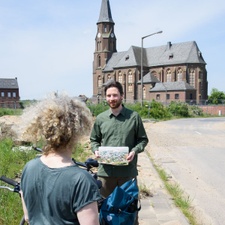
{"type": "Point", "coordinates": [216, 97]}
{"type": "Point", "coordinates": [155, 110]}
{"type": "Point", "coordinates": [6, 111]}
{"type": "Point", "coordinates": [144, 191]}
{"type": "Point", "coordinates": [182, 201]}
{"type": "Point", "coordinates": [11, 163]}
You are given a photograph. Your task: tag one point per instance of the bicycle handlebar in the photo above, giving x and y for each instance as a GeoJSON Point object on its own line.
{"type": "Point", "coordinates": [9, 181]}
{"type": "Point", "coordinates": [88, 164]}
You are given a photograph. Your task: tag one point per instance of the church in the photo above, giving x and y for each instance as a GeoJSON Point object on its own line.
{"type": "Point", "coordinates": [171, 72]}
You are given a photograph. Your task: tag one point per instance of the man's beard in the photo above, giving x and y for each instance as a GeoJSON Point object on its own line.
{"type": "Point", "coordinates": [115, 104]}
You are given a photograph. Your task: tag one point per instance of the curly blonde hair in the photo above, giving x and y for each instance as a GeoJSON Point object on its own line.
{"type": "Point", "coordinates": [59, 120]}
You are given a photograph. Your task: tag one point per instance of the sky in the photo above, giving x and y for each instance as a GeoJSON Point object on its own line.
{"type": "Point", "coordinates": [49, 44]}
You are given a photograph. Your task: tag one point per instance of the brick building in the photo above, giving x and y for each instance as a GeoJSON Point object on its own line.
{"type": "Point", "coordinates": [174, 71]}
{"type": "Point", "coordinates": [9, 93]}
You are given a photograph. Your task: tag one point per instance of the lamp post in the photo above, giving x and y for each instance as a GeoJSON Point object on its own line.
{"type": "Point", "coordinates": [159, 32]}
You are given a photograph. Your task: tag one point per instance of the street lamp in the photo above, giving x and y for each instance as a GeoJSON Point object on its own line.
{"type": "Point", "coordinates": [159, 32]}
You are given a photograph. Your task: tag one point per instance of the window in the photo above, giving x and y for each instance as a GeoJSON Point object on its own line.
{"type": "Point", "coordinates": [99, 46]}
{"type": "Point", "coordinates": [2, 94]}
{"type": "Point", "coordinates": [108, 77]}
{"type": "Point", "coordinates": [9, 95]}
{"type": "Point", "coordinates": [99, 81]}
{"type": "Point", "coordinates": [144, 92]}
{"type": "Point", "coordinates": [130, 77]}
{"type": "Point", "coordinates": [130, 87]}
{"type": "Point", "coordinates": [99, 61]}
{"type": "Point", "coordinates": [120, 77]}
{"type": "Point", "coordinates": [14, 94]}
{"type": "Point", "coordinates": [192, 77]}
{"type": "Point", "coordinates": [158, 97]}
{"type": "Point", "coordinates": [167, 96]}
{"type": "Point", "coordinates": [176, 96]}
{"type": "Point", "coordinates": [105, 28]}
{"type": "Point", "coordinates": [180, 75]}
{"type": "Point", "coordinates": [168, 75]}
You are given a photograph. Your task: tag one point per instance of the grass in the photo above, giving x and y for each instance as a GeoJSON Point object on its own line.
{"type": "Point", "coordinates": [181, 200]}
{"type": "Point", "coordinates": [144, 191]}
{"type": "Point", "coordinates": [11, 166]}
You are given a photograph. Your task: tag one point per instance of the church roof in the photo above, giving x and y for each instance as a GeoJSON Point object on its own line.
{"type": "Point", "coordinates": [105, 13]}
{"type": "Point", "coordinates": [172, 86]}
{"type": "Point", "coordinates": [170, 54]}
{"type": "Point", "coordinates": [149, 78]}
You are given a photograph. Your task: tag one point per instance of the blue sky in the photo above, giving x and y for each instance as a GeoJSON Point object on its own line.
{"type": "Point", "coordinates": [49, 44]}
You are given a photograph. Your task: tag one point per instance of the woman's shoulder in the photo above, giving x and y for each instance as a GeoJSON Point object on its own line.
{"type": "Point", "coordinates": [33, 162]}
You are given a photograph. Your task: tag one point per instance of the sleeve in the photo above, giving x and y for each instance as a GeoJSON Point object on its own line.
{"type": "Point", "coordinates": [142, 139]}
{"type": "Point", "coordinates": [96, 136]}
{"type": "Point", "coordinates": [85, 191]}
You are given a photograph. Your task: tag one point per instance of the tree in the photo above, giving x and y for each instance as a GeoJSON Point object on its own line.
{"type": "Point", "coordinates": [216, 97]}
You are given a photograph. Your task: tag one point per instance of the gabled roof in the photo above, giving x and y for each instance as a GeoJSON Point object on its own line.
{"type": "Point", "coordinates": [128, 58]}
{"type": "Point", "coordinates": [179, 53]}
{"type": "Point", "coordinates": [172, 86]}
{"type": "Point", "coordinates": [114, 60]}
{"type": "Point", "coordinates": [105, 13]}
{"type": "Point", "coordinates": [149, 78]}
{"type": "Point", "coordinates": [170, 54]}
{"type": "Point", "coordinates": [8, 83]}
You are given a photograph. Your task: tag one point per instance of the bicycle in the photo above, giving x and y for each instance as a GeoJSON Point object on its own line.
{"type": "Point", "coordinates": [87, 165]}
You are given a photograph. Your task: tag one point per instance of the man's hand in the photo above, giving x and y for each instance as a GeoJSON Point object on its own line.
{"type": "Point", "coordinates": [130, 156]}
{"type": "Point", "coordinates": [97, 154]}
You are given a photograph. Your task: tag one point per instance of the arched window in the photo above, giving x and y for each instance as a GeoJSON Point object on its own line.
{"type": "Point", "coordinates": [192, 77]}
{"type": "Point", "coordinates": [130, 81]}
{"type": "Point", "coordinates": [99, 46]}
{"type": "Point", "coordinates": [105, 28]}
{"type": "Point", "coordinates": [144, 92]}
{"type": "Point", "coordinates": [99, 61]}
{"type": "Point", "coordinates": [109, 77]}
{"type": "Point", "coordinates": [168, 75]}
{"type": "Point", "coordinates": [180, 75]}
{"type": "Point", "coordinates": [120, 77]}
{"type": "Point", "coordinates": [130, 77]}
{"type": "Point", "coordinates": [99, 81]}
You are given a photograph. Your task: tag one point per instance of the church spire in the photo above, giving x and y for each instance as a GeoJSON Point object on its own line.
{"type": "Point", "coordinates": [105, 13]}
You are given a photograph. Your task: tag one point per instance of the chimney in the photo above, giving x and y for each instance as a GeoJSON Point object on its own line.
{"type": "Point", "coordinates": [169, 45]}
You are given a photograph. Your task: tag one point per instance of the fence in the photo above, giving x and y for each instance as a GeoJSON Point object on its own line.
{"type": "Point", "coordinates": [10, 104]}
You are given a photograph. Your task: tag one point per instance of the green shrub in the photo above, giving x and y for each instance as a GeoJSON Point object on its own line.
{"type": "Point", "coordinates": [179, 109]}
{"type": "Point", "coordinates": [97, 108]}
{"type": "Point", "coordinates": [7, 111]}
{"type": "Point", "coordinates": [194, 110]}
{"type": "Point", "coordinates": [158, 111]}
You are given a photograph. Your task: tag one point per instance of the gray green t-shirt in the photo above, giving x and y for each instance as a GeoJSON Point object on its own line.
{"type": "Point", "coordinates": [54, 195]}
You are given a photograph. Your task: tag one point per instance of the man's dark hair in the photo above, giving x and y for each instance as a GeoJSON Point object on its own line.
{"type": "Point", "coordinates": [113, 83]}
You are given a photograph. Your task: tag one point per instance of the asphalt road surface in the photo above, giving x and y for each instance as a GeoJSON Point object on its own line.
{"type": "Point", "coordinates": [192, 152]}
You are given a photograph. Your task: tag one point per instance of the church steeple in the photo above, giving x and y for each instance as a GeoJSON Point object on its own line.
{"type": "Point", "coordinates": [105, 46]}
{"type": "Point", "coordinates": [105, 13]}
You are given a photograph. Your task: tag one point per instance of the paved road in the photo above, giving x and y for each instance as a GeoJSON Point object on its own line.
{"type": "Point", "coordinates": [192, 151]}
